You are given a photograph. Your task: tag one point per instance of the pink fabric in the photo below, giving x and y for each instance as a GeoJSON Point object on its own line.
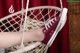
{"type": "Point", "coordinates": [61, 43]}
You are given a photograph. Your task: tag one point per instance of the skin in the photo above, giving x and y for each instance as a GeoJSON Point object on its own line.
{"type": "Point", "coordinates": [8, 39]}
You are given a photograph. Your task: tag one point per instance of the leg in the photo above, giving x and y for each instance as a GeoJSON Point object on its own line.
{"type": "Point", "coordinates": [8, 39]}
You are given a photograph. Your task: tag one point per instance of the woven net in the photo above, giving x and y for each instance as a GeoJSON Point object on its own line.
{"type": "Point", "coordinates": [36, 18]}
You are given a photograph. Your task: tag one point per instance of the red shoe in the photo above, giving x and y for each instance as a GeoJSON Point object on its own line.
{"type": "Point", "coordinates": [53, 26]}
{"type": "Point", "coordinates": [49, 28]}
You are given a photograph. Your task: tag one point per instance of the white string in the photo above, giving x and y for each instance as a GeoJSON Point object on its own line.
{"type": "Point", "coordinates": [22, 5]}
{"type": "Point", "coordinates": [61, 4]}
{"type": "Point", "coordinates": [27, 5]}
{"type": "Point", "coordinates": [22, 45]}
{"type": "Point", "coordinates": [22, 13]}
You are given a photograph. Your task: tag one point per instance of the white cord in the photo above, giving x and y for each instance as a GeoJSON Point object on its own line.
{"type": "Point", "coordinates": [61, 4]}
{"type": "Point", "coordinates": [22, 13]}
{"type": "Point", "coordinates": [24, 25]}
{"type": "Point", "coordinates": [22, 45]}
{"type": "Point", "coordinates": [27, 5]}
